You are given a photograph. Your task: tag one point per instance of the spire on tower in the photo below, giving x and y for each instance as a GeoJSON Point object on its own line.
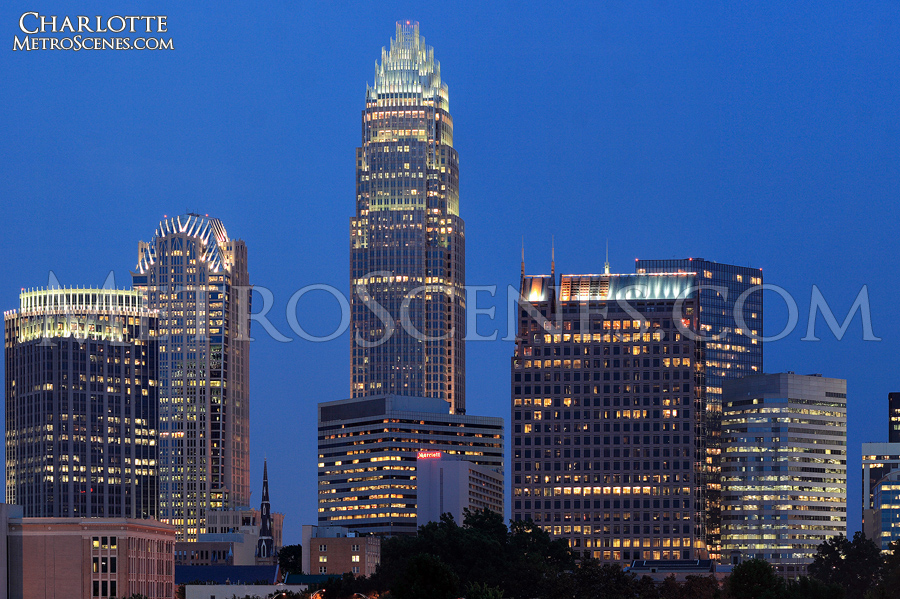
{"type": "Point", "coordinates": [552, 261]}
{"type": "Point", "coordinates": [265, 547]}
{"type": "Point", "coordinates": [606, 264]}
{"type": "Point", "coordinates": [523, 257]}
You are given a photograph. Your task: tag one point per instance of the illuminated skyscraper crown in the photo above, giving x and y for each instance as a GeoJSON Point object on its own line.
{"type": "Point", "coordinates": [210, 232]}
{"type": "Point", "coordinates": [409, 68]}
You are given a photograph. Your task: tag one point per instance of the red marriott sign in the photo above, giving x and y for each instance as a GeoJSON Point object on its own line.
{"type": "Point", "coordinates": [428, 455]}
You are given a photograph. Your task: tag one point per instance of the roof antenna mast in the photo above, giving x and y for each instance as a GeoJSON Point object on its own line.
{"type": "Point", "coordinates": [552, 261]}
{"type": "Point", "coordinates": [606, 264]}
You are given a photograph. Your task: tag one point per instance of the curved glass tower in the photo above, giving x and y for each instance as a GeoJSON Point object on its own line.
{"type": "Point", "coordinates": [407, 240]}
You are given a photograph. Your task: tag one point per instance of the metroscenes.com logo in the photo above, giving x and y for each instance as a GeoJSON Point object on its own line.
{"type": "Point", "coordinates": [84, 33]}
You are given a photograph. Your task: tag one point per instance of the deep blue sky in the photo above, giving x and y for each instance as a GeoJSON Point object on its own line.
{"type": "Point", "coordinates": [762, 133]}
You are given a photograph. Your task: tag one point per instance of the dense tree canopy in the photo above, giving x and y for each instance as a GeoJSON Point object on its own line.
{"type": "Point", "coordinates": [290, 559]}
{"type": "Point", "coordinates": [854, 565]}
{"type": "Point", "coordinates": [485, 559]}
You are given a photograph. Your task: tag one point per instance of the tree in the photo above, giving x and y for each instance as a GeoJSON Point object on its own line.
{"type": "Point", "coordinates": [426, 577]}
{"type": "Point", "coordinates": [854, 565]}
{"type": "Point", "coordinates": [813, 588]}
{"type": "Point", "coordinates": [606, 581]}
{"type": "Point", "coordinates": [521, 561]}
{"type": "Point", "coordinates": [754, 579]}
{"type": "Point", "coordinates": [290, 559]}
{"type": "Point", "coordinates": [889, 585]}
{"type": "Point", "coordinates": [700, 587]}
{"type": "Point", "coordinates": [482, 591]}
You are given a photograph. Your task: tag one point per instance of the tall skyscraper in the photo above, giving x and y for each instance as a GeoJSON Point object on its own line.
{"type": "Point", "coordinates": [368, 449]}
{"type": "Point", "coordinates": [81, 404]}
{"type": "Point", "coordinates": [608, 408]}
{"type": "Point", "coordinates": [407, 240]}
{"type": "Point", "coordinates": [196, 277]}
{"type": "Point", "coordinates": [732, 350]}
{"type": "Point", "coordinates": [784, 467]}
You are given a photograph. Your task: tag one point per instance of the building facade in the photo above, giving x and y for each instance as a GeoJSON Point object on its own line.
{"type": "Point", "coordinates": [237, 536]}
{"type": "Point", "coordinates": [90, 558]}
{"type": "Point", "coordinates": [407, 240]}
{"type": "Point", "coordinates": [883, 524]}
{"type": "Point", "coordinates": [446, 485]}
{"type": "Point", "coordinates": [608, 411]}
{"type": "Point", "coordinates": [337, 550]}
{"type": "Point", "coordinates": [81, 404]}
{"type": "Point", "coordinates": [196, 277]}
{"type": "Point", "coordinates": [784, 467]}
{"type": "Point", "coordinates": [894, 417]}
{"type": "Point", "coordinates": [367, 457]}
{"type": "Point", "coordinates": [732, 348]}
{"type": "Point", "coordinates": [879, 460]}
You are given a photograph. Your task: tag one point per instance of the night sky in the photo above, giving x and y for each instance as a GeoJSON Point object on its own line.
{"type": "Point", "coordinates": [762, 134]}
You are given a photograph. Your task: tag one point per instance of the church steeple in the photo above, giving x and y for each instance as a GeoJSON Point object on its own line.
{"type": "Point", "coordinates": [265, 547]}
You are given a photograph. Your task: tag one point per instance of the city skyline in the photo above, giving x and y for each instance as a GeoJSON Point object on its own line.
{"type": "Point", "coordinates": [654, 155]}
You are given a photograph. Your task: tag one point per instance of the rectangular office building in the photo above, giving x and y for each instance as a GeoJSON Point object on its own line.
{"type": "Point", "coordinates": [452, 485]}
{"type": "Point", "coordinates": [784, 467]}
{"type": "Point", "coordinates": [608, 412]}
{"type": "Point", "coordinates": [731, 320]}
{"type": "Point", "coordinates": [368, 448]}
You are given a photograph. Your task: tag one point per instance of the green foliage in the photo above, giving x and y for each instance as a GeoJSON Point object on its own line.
{"type": "Point", "coordinates": [591, 579]}
{"type": "Point", "coordinates": [813, 588]}
{"type": "Point", "coordinates": [854, 565]}
{"type": "Point", "coordinates": [290, 559]}
{"type": "Point", "coordinates": [426, 577]}
{"type": "Point", "coordinates": [754, 579]}
{"type": "Point", "coordinates": [520, 561]}
{"type": "Point", "coordinates": [482, 591]}
{"type": "Point", "coordinates": [889, 585]}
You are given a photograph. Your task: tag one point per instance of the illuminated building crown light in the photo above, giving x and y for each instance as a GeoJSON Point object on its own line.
{"type": "Point", "coordinates": [409, 67]}
{"type": "Point", "coordinates": [209, 231]}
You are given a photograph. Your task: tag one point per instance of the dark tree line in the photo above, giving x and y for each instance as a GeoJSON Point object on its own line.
{"type": "Point", "coordinates": [485, 559]}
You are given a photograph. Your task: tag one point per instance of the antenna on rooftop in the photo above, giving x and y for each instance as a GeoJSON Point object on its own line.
{"type": "Point", "coordinates": [552, 261]}
{"type": "Point", "coordinates": [606, 264]}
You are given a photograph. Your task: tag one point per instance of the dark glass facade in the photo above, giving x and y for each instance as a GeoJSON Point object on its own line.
{"type": "Point", "coordinates": [81, 405]}
{"type": "Point", "coordinates": [894, 417]}
{"type": "Point", "coordinates": [407, 240]}
{"type": "Point", "coordinates": [608, 409]}
{"type": "Point", "coordinates": [732, 350]}
{"type": "Point", "coordinates": [196, 278]}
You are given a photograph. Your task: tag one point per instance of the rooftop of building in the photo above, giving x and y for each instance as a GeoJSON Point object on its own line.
{"type": "Point", "coordinates": [398, 405]}
{"type": "Point", "coordinates": [226, 574]}
{"type": "Point", "coordinates": [609, 287]}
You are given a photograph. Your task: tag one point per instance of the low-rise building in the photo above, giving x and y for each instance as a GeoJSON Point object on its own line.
{"type": "Point", "coordinates": [337, 550]}
{"type": "Point", "coordinates": [67, 558]}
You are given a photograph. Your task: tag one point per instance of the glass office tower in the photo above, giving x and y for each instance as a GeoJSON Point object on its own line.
{"type": "Point", "coordinates": [784, 467]}
{"type": "Point", "coordinates": [608, 408]}
{"type": "Point", "coordinates": [81, 404]}
{"type": "Point", "coordinates": [407, 240]}
{"type": "Point", "coordinates": [196, 277]}
{"type": "Point", "coordinates": [732, 349]}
